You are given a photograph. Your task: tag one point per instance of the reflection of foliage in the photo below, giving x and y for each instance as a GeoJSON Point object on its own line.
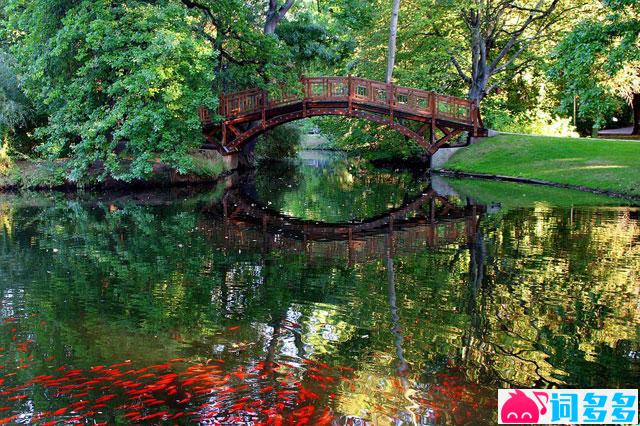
{"type": "Point", "coordinates": [576, 306]}
{"type": "Point", "coordinates": [346, 190]}
{"type": "Point", "coordinates": [120, 280]}
{"type": "Point", "coordinates": [275, 179]}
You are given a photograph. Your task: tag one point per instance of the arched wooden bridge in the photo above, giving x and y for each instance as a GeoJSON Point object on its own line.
{"type": "Point", "coordinates": [434, 121]}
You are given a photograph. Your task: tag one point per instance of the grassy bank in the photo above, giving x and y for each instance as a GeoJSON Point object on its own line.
{"type": "Point", "coordinates": [608, 165]}
{"type": "Point", "coordinates": [44, 174]}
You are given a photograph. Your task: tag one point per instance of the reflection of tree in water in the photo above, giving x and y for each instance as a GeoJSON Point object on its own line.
{"type": "Point", "coordinates": [273, 179]}
{"type": "Point", "coordinates": [556, 304]}
{"type": "Point", "coordinates": [345, 190]}
{"type": "Point", "coordinates": [531, 299]}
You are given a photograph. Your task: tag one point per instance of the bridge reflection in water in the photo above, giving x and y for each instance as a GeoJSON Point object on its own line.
{"type": "Point", "coordinates": [427, 221]}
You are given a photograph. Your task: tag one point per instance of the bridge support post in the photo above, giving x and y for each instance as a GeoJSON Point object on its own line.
{"type": "Point", "coordinates": [243, 159]}
{"type": "Point", "coordinates": [426, 159]}
{"type": "Point", "coordinates": [433, 107]}
{"type": "Point", "coordinates": [305, 95]}
{"type": "Point", "coordinates": [264, 109]}
{"type": "Point", "coordinates": [350, 91]}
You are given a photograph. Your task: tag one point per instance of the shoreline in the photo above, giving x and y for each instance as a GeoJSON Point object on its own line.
{"type": "Point", "coordinates": [531, 181]}
{"type": "Point", "coordinates": [109, 185]}
{"type": "Point", "coordinates": [43, 176]}
{"type": "Point", "coordinates": [164, 177]}
{"type": "Point", "coordinates": [604, 167]}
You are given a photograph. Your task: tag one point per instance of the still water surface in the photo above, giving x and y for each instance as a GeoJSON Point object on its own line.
{"type": "Point", "coordinates": [319, 292]}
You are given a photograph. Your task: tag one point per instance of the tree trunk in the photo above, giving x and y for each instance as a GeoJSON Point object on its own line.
{"type": "Point", "coordinates": [275, 15]}
{"type": "Point", "coordinates": [480, 72]}
{"type": "Point", "coordinates": [476, 92]}
{"type": "Point", "coordinates": [488, 23]}
{"type": "Point", "coordinates": [635, 104]}
{"type": "Point", "coordinates": [393, 32]}
{"type": "Point", "coordinates": [270, 25]}
{"type": "Point", "coordinates": [396, 330]}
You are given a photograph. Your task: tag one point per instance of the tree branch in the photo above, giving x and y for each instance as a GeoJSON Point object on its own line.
{"type": "Point", "coordinates": [459, 69]}
{"type": "Point", "coordinates": [535, 15]}
{"type": "Point", "coordinates": [285, 8]}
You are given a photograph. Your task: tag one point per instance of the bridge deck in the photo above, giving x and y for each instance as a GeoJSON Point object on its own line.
{"type": "Point", "coordinates": [248, 113]}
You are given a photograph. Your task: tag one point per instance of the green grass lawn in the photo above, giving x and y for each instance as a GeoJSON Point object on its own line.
{"type": "Point", "coordinates": [595, 163]}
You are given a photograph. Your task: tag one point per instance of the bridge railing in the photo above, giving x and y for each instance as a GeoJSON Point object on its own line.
{"type": "Point", "coordinates": [242, 103]}
{"type": "Point", "coordinates": [355, 91]}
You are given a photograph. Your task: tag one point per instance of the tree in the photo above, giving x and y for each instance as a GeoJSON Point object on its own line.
{"type": "Point", "coordinates": [13, 108]}
{"type": "Point", "coordinates": [599, 62]}
{"type": "Point", "coordinates": [626, 84]}
{"type": "Point", "coordinates": [636, 113]}
{"type": "Point", "coordinates": [13, 104]}
{"type": "Point", "coordinates": [246, 56]}
{"type": "Point", "coordinates": [107, 75]}
{"type": "Point", "coordinates": [315, 45]}
{"type": "Point", "coordinates": [393, 32]}
{"type": "Point", "coordinates": [498, 33]}
{"type": "Point", "coordinates": [104, 75]}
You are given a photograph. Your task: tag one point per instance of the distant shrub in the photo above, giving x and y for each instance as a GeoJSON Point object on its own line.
{"type": "Point", "coordinates": [6, 163]}
{"type": "Point", "coordinates": [279, 143]}
{"type": "Point", "coordinates": [533, 123]}
{"type": "Point", "coordinates": [370, 140]}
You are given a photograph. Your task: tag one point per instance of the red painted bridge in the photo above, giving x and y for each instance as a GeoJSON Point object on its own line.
{"type": "Point", "coordinates": [434, 121]}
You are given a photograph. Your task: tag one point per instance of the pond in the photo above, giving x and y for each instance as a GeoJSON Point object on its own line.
{"type": "Point", "coordinates": [321, 291]}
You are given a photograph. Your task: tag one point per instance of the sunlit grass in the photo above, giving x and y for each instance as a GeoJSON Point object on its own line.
{"type": "Point", "coordinates": [600, 164]}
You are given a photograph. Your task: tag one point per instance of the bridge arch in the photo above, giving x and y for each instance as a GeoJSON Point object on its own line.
{"type": "Point", "coordinates": [427, 220]}
{"type": "Point", "coordinates": [269, 124]}
{"type": "Point", "coordinates": [237, 205]}
{"type": "Point", "coordinates": [249, 113]}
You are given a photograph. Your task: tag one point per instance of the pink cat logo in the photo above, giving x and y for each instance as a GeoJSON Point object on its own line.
{"type": "Point", "coordinates": [519, 408]}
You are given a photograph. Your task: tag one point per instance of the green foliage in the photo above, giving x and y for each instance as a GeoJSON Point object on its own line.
{"type": "Point", "coordinates": [129, 73]}
{"type": "Point", "coordinates": [30, 175]}
{"type": "Point", "coordinates": [368, 139]}
{"type": "Point", "coordinates": [429, 33]}
{"type": "Point", "coordinates": [280, 142]}
{"type": "Point", "coordinates": [13, 104]}
{"type": "Point", "coordinates": [118, 84]}
{"type": "Point", "coordinates": [6, 162]}
{"type": "Point", "coordinates": [313, 45]}
{"type": "Point", "coordinates": [13, 110]}
{"type": "Point", "coordinates": [535, 122]}
{"type": "Point", "coordinates": [587, 60]}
